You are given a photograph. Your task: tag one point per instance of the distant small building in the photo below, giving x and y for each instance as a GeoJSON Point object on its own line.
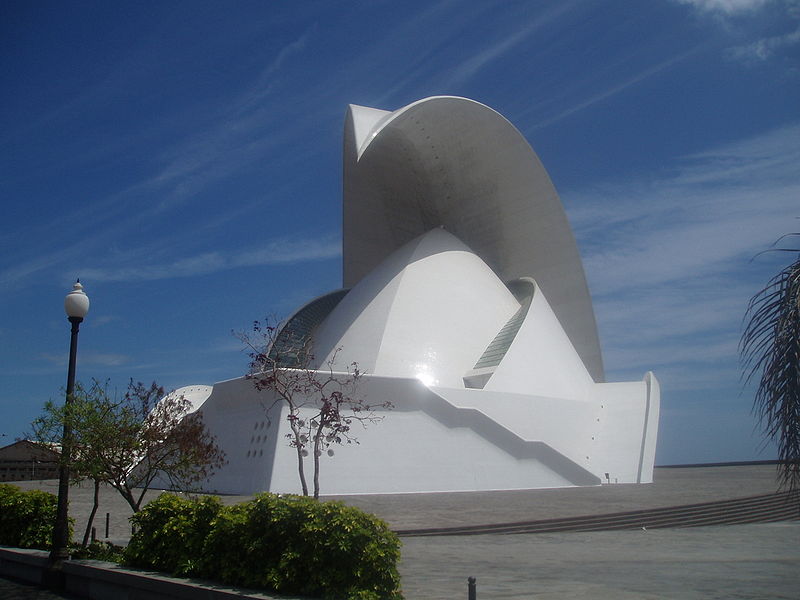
{"type": "Point", "coordinates": [24, 461]}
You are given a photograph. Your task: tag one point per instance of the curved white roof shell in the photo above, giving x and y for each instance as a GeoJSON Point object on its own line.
{"type": "Point", "coordinates": [195, 394]}
{"type": "Point", "coordinates": [428, 312]}
{"type": "Point", "coordinates": [456, 163]}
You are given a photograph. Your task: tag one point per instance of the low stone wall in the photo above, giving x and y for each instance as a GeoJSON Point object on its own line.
{"type": "Point", "coordinates": [23, 565]}
{"type": "Point", "coordinates": [96, 580]}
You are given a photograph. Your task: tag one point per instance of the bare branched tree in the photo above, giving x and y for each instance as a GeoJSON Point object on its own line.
{"type": "Point", "coordinates": [164, 439]}
{"type": "Point", "coordinates": [322, 405]}
{"type": "Point", "coordinates": [770, 351]}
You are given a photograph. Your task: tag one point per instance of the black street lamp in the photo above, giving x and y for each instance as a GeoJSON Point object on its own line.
{"type": "Point", "coordinates": [76, 305]}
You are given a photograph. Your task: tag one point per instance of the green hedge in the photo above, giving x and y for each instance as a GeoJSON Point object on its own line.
{"type": "Point", "coordinates": [27, 517]}
{"type": "Point", "coordinates": [286, 544]}
{"type": "Point", "coordinates": [98, 550]}
{"type": "Point", "coordinates": [171, 532]}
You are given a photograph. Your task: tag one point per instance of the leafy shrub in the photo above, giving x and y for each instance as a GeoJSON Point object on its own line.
{"type": "Point", "coordinates": [229, 554]}
{"type": "Point", "coordinates": [335, 549]}
{"type": "Point", "coordinates": [27, 517]}
{"type": "Point", "coordinates": [97, 550]}
{"type": "Point", "coordinates": [287, 544]}
{"type": "Point", "coordinates": [171, 532]}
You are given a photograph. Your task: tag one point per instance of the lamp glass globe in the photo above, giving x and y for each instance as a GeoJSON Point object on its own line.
{"type": "Point", "coordinates": [76, 304]}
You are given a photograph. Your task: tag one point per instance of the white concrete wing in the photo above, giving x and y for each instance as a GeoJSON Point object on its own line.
{"type": "Point", "coordinates": [453, 162]}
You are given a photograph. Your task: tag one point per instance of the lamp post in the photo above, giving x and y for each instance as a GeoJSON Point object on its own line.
{"type": "Point", "coordinates": [76, 305]}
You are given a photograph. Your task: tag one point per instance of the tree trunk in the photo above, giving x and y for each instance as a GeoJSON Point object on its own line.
{"type": "Point", "coordinates": [316, 470]}
{"type": "Point", "coordinates": [145, 488]}
{"type": "Point", "coordinates": [95, 506]}
{"type": "Point", "coordinates": [126, 493]}
{"type": "Point", "coordinates": [301, 471]}
{"type": "Point", "coordinates": [317, 452]}
{"type": "Point", "coordinates": [299, 447]}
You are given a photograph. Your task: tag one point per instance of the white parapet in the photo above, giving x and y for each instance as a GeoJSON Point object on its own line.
{"type": "Point", "coordinates": [443, 439]}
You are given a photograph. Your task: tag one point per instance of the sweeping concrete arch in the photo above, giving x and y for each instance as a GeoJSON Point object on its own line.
{"type": "Point", "coordinates": [455, 163]}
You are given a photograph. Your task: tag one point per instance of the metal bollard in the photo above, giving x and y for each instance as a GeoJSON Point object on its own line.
{"type": "Point", "coordinates": [107, 519]}
{"type": "Point", "coordinates": [471, 589]}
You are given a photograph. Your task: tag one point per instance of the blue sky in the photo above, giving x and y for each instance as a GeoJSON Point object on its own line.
{"type": "Point", "coordinates": [184, 160]}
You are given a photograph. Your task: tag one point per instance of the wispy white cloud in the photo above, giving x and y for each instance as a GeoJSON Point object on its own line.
{"type": "Point", "coordinates": [286, 251]}
{"type": "Point", "coordinates": [218, 151]}
{"type": "Point", "coordinates": [498, 48]}
{"type": "Point", "coordinates": [420, 60]}
{"type": "Point", "coordinates": [99, 320]}
{"type": "Point", "coordinates": [680, 250]}
{"type": "Point", "coordinates": [229, 139]}
{"type": "Point", "coordinates": [765, 48]}
{"type": "Point", "coordinates": [26, 268]}
{"type": "Point", "coordinates": [668, 257]}
{"type": "Point", "coordinates": [755, 21]}
{"type": "Point", "coordinates": [769, 158]}
{"type": "Point", "coordinates": [291, 251]}
{"type": "Point", "coordinates": [707, 218]}
{"type": "Point", "coordinates": [88, 358]}
{"type": "Point", "coordinates": [263, 83]}
{"type": "Point", "coordinates": [725, 7]}
{"type": "Point", "coordinates": [614, 90]}
{"type": "Point", "coordinates": [292, 48]}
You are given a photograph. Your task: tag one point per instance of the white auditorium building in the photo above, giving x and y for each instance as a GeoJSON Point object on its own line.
{"type": "Point", "coordinates": [465, 302]}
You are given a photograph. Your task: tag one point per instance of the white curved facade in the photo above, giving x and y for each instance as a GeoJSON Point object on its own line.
{"type": "Point", "coordinates": [391, 327]}
{"type": "Point", "coordinates": [467, 306]}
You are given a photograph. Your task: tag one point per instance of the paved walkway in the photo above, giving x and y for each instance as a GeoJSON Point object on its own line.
{"type": "Point", "coordinates": [742, 561]}
{"type": "Point", "coordinates": [13, 590]}
{"type": "Point", "coordinates": [727, 562]}
{"type": "Point", "coordinates": [672, 486]}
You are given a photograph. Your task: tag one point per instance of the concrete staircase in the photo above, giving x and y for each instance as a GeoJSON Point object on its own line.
{"type": "Point", "coordinates": [783, 506]}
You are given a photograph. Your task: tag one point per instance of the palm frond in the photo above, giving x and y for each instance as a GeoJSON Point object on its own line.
{"type": "Point", "coordinates": [770, 352]}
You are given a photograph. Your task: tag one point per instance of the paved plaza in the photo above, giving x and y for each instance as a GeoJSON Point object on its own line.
{"type": "Point", "coordinates": [732, 561]}
{"type": "Point", "coordinates": [741, 561]}
{"type": "Point", "coordinates": [15, 590]}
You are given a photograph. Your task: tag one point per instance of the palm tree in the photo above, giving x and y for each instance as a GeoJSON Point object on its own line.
{"type": "Point", "coordinates": [770, 350]}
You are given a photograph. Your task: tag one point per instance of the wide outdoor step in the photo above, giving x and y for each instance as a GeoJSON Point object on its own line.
{"type": "Point", "coordinates": [754, 509]}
